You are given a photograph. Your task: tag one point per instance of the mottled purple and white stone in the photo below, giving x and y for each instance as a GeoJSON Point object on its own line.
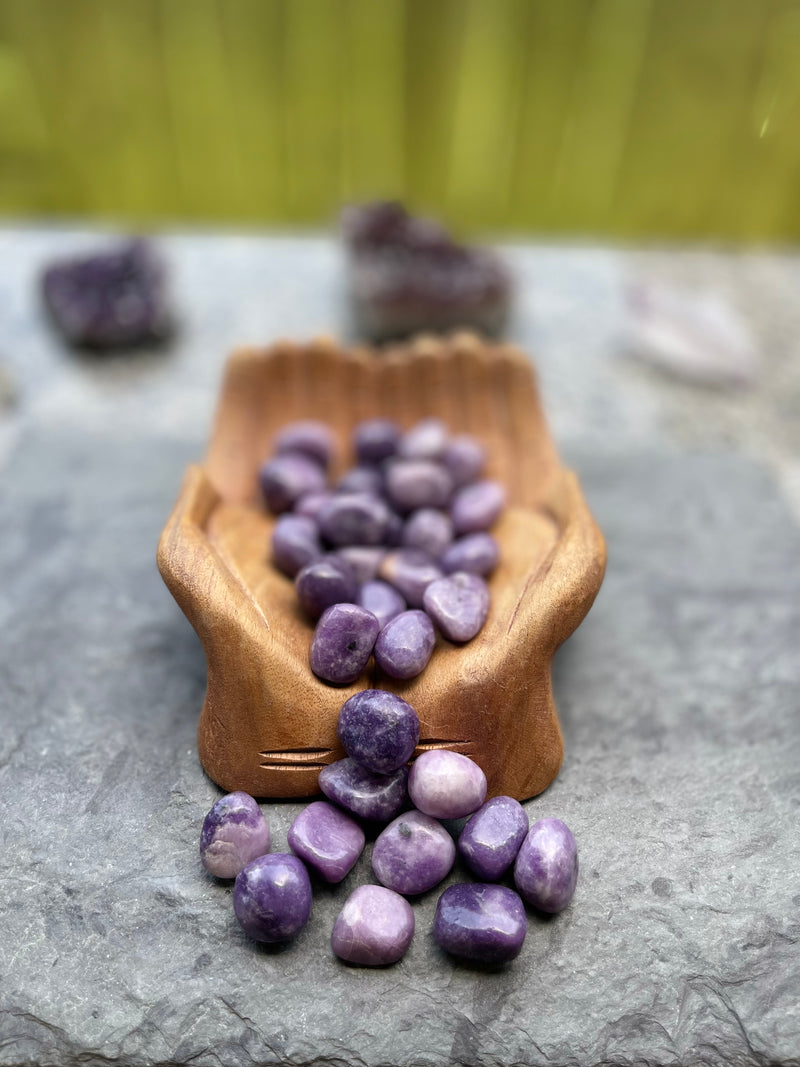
{"type": "Point", "coordinates": [546, 869]}
{"type": "Point", "coordinates": [326, 839]}
{"type": "Point", "coordinates": [476, 553]}
{"type": "Point", "coordinates": [490, 841]}
{"type": "Point", "coordinates": [377, 797]}
{"type": "Point", "coordinates": [272, 897]}
{"type": "Point", "coordinates": [311, 504]}
{"type": "Point", "coordinates": [342, 643]}
{"type": "Point", "coordinates": [323, 583]}
{"type": "Point", "coordinates": [286, 478]}
{"type": "Point", "coordinates": [234, 833]}
{"type": "Point", "coordinates": [309, 436]}
{"type": "Point", "coordinates": [413, 854]}
{"type": "Point", "coordinates": [477, 506]}
{"type": "Point", "coordinates": [382, 600]}
{"type": "Point", "coordinates": [375, 927]}
{"type": "Point", "coordinates": [375, 440]}
{"type": "Point", "coordinates": [379, 730]}
{"type": "Point", "coordinates": [295, 543]}
{"type": "Point", "coordinates": [464, 457]}
{"type": "Point", "coordinates": [427, 439]}
{"type": "Point", "coordinates": [458, 604]}
{"type": "Point", "coordinates": [482, 923]}
{"type": "Point", "coordinates": [410, 572]}
{"type": "Point", "coordinates": [354, 519]}
{"type": "Point", "coordinates": [365, 560]}
{"type": "Point", "coordinates": [417, 483]}
{"type": "Point", "coordinates": [405, 645]}
{"type": "Point", "coordinates": [361, 480]}
{"type": "Point", "coordinates": [446, 785]}
{"type": "Point", "coordinates": [429, 530]}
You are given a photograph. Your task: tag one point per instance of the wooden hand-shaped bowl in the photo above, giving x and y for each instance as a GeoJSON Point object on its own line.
{"type": "Point", "coordinates": [268, 725]}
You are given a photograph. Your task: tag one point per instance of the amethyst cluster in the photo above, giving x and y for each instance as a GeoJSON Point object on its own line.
{"type": "Point", "coordinates": [397, 549]}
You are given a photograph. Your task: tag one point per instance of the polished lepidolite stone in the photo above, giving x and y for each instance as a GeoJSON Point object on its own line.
{"type": "Point", "coordinates": [410, 571]}
{"type": "Point", "coordinates": [546, 869]}
{"type": "Point", "coordinates": [490, 841]}
{"type": "Point", "coordinates": [361, 480]}
{"type": "Point", "coordinates": [425, 440]}
{"type": "Point", "coordinates": [272, 897]}
{"type": "Point", "coordinates": [378, 797]}
{"type": "Point", "coordinates": [354, 519]}
{"type": "Point", "coordinates": [234, 832]}
{"type": "Point", "coordinates": [342, 643]}
{"type": "Point", "coordinates": [429, 530]}
{"type": "Point", "coordinates": [379, 730]}
{"type": "Point", "coordinates": [309, 436]}
{"type": "Point", "coordinates": [375, 440]}
{"type": "Point", "coordinates": [375, 927]}
{"type": "Point", "coordinates": [326, 839]}
{"type": "Point", "coordinates": [295, 543]}
{"type": "Point", "coordinates": [323, 583]}
{"type": "Point", "coordinates": [405, 644]}
{"type": "Point", "coordinates": [413, 854]}
{"type": "Point", "coordinates": [476, 553]}
{"type": "Point", "coordinates": [365, 560]}
{"type": "Point", "coordinates": [311, 504]}
{"type": "Point", "coordinates": [381, 599]}
{"type": "Point", "coordinates": [477, 506]}
{"type": "Point", "coordinates": [417, 483]}
{"type": "Point", "coordinates": [288, 477]}
{"type": "Point", "coordinates": [464, 457]}
{"type": "Point", "coordinates": [483, 923]}
{"type": "Point", "coordinates": [446, 784]}
{"type": "Point", "coordinates": [458, 604]}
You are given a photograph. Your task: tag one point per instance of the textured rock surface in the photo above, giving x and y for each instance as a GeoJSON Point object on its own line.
{"type": "Point", "coordinates": [678, 697]}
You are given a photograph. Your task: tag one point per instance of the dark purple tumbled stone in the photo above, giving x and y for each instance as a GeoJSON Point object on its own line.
{"type": "Point", "coordinates": [477, 506]}
{"type": "Point", "coordinates": [234, 833]}
{"type": "Point", "coordinates": [378, 797]}
{"type": "Point", "coordinates": [476, 553]}
{"type": "Point", "coordinates": [309, 436]}
{"type": "Point", "coordinates": [446, 785]}
{"type": "Point", "coordinates": [546, 868]}
{"type": "Point", "coordinates": [288, 477]}
{"type": "Point", "coordinates": [374, 440]}
{"type": "Point", "coordinates": [361, 480]}
{"type": "Point", "coordinates": [425, 440]}
{"type": "Point", "coordinates": [458, 604]}
{"type": "Point", "coordinates": [375, 927]}
{"type": "Point", "coordinates": [342, 643]}
{"type": "Point", "coordinates": [429, 530]}
{"type": "Point", "coordinates": [324, 582]}
{"type": "Point", "coordinates": [326, 839]}
{"type": "Point", "coordinates": [381, 599]}
{"type": "Point", "coordinates": [311, 504]}
{"type": "Point", "coordinates": [464, 457]}
{"type": "Point", "coordinates": [490, 841]}
{"type": "Point", "coordinates": [482, 923]}
{"type": "Point", "coordinates": [354, 519]}
{"type": "Point", "coordinates": [410, 571]}
{"type": "Point", "coordinates": [295, 542]}
{"type": "Point", "coordinates": [405, 644]}
{"type": "Point", "coordinates": [379, 730]}
{"type": "Point", "coordinates": [413, 854]}
{"type": "Point", "coordinates": [272, 897]}
{"type": "Point", "coordinates": [417, 483]}
{"type": "Point", "coordinates": [365, 560]}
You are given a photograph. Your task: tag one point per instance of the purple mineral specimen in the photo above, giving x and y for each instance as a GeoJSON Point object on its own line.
{"type": "Point", "coordinates": [458, 604]}
{"type": "Point", "coordinates": [379, 730]}
{"type": "Point", "coordinates": [287, 478]}
{"type": "Point", "coordinates": [272, 897]}
{"type": "Point", "coordinates": [546, 869]}
{"type": "Point", "coordinates": [405, 644]}
{"type": "Point", "coordinates": [312, 438]}
{"type": "Point", "coordinates": [382, 600]}
{"type": "Point", "coordinates": [490, 841]}
{"type": "Point", "coordinates": [378, 797]}
{"type": "Point", "coordinates": [413, 854]}
{"type": "Point", "coordinates": [446, 784]}
{"type": "Point", "coordinates": [326, 839]}
{"type": "Point", "coordinates": [323, 583]}
{"type": "Point", "coordinates": [342, 643]}
{"type": "Point", "coordinates": [374, 927]}
{"type": "Point", "coordinates": [483, 923]}
{"type": "Point", "coordinates": [234, 833]}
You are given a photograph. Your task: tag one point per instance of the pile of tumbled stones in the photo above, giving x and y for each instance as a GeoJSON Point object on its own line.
{"type": "Point", "coordinates": [414, 852]}
{"type": "Point", "coordinates": [398, 548]}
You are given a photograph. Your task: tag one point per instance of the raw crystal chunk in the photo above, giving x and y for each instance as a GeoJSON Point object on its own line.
{"type": "Point", "coordinates": [312, 438]}
{"type": "Point", "coordinates": [382, 600]}
{"type": "Point", "coordinates": [379, 730]}
{"type": "Point", "coordinates": [410, 572]}
{"type": "Point", "coordinates": [413, 854]}
{"type": "Point", "coordinates": [326, 839]}
{"type": "Point", "coordinates": [477, 506]}
{"type": "Point", "coordinates": [484, 923]}
{"type": "Point", "coordinates": [342, 643]}
{"type": "Point", "coordinates": [490, 841]}
{"type": "Point", "coordinates": [374, 927]}
{"type": "Point", "coordinates": [288, 477]}
{"type": "Point", "coordinates": [295, 542]}
{"type": "Point", "coordinates": [546, 869]}
{"type": "Point", "coordinates": [417, 483]}
{"type": "Point", "coordinates": [323, 583]}
{"type": "Point", "coordinates": [405, 644]}
{"type": "Point", "coordinates": [378, 797]}
{"type": "Point", "coordinates": [458, 604]}
{"type": "Point", "coordinates": [234, 833]}
{"type": "Point", "coordinates": [446, 784]}
{"type": "Point", "coordinates": [476, 553]}
{"type": "Point", "coordinates": [272, 897]}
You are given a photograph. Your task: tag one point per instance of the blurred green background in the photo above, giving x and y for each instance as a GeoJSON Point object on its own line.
{"type": "Point", "coordinates": [631, 118]}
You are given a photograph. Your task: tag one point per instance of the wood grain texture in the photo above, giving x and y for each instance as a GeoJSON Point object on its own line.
{"type": "Point", "coordinates": [267, 724]}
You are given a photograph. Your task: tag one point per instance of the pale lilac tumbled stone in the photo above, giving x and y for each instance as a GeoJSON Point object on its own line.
{"type": "Point", "coordinates": [365, 560]}
{"type": "Point", "coordinates": [410, 571]}
{"type": "Point", "coordinates": [272, 897]}
{"type": "Point", "coordinates": [374, 440]}
{"type": "Point", "coordinates": [464, 457]}
{"type": "Point", "coordinates": [418, 483]}
{"type": "Point", "coordinates": [234, 833]}
{"type": "Point", "coordinates": [378, 797]}
{"type": "Point", "coordinates": [354, 519]}
{"type": "Point", "coordinates": [288, 477]}
{"type": "Point", "coordinates": [483, 923]}
{"type": "Point", "coordinates": [425, 440]}
{"type": "Point", "coordinates": [326, 839]}
{"type": "Point", "coordinates": [477, 507]}
{"type": "Point", "coordinates": [546, 869]}
{"type": "Point", "coordinates": [476, 553]}
{"type": "Point", "coordinates": [295, 542]}
{"type": "Point", "coordinates": [324, 582]}
{"type": "Point", "coordinates": [342, 643]}
{"type": "Point", "coordinates": [458, 604]}
{"type": "Point", "coordinates": [446, 784]}
{"type": "Point", "coordinates": [375, 927]}
{"type": "Point", "coordinates": [311, 504]}
{"type": "Point", "coordinates": [413, 854]}
{"type": "Point", "coordinates": [379, 730]}
{"type": "Point", "coordinates": [490, 841]}
{"type": "Point", "coordinates": [361, 480]}
{"type": "Point", "coordinates": [405, 644]}
{"type": "Point", "coordinates": [382, 600]}
{"type": "Point", "coordinates": [429, 530]}
{"type": "Point", "coordinates": [312, 438]}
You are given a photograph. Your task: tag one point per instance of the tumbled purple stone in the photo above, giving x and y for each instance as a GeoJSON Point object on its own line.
{"type": "Point", "coordinates": [394, 530]}
{"type": "Point", "coordinates": [324, 582]}
{"type": "Point", "coordinates": [417, 483]}
{"type": "Point", "coordinates": [374, 440]}
{"type": "Point", "coordinates": [464, 457]}
{"type": "Point", "coordinates": [365, 560]}
{"type": "Point", "coordinates": [378, 797]}
{"type": "Point", "coordinates": [375, 927]}
{"type": "Point", "coordinates": [286, 478]}
{"type": "Point", "coordinates": [354, 519]}
{"type": "Point", "coordinates": [546, 869]}
{"type": "Point", "coordinates": [490, 841]}
{"type": "Point", "coordinates": [309, 436]}
{"type": "Point", "coordinates": [426, 440]}
{"type": "Point", "coordinates": [446, 785]}
{"type": "Point", "coordinates": [342, 643]}
{"type": "Point", "coordinates": [410, 571]}
{"type": "Point", "coordinates": [379, 730]}
{"type": "Point", "coordinates": [361, 480]}
{"type": "Point", "coordinates": [295, 542]}
{"type": "Point", "coordinates": [272, 897]}
{"type": "Point", "coordinates": [326, 839]}
{"type": "Point", "coordinates": [405, 644]}
{"type": "Point", "coordinates": [381, 599]}
{"type": "Point", "coordinates": [234, 832]}
{"type": "Point", "coordinates": [482, 923]}
{"type": "Point", "coordinates": [477, 507]}
{"type": "Point", "coordinates": [458, 604]}
{"type": "Point", "coordinates": [476, 553]}
{"type": "Point", "coordinates": [429, 530]}
{"type": "Point", "coordinates": [413, 854]}
{"type": "Point", "coordinates": [311, 504]}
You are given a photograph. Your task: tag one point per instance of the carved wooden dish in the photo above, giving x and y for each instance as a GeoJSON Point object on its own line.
{"type": "Point", "coordinates": [267, 724]}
